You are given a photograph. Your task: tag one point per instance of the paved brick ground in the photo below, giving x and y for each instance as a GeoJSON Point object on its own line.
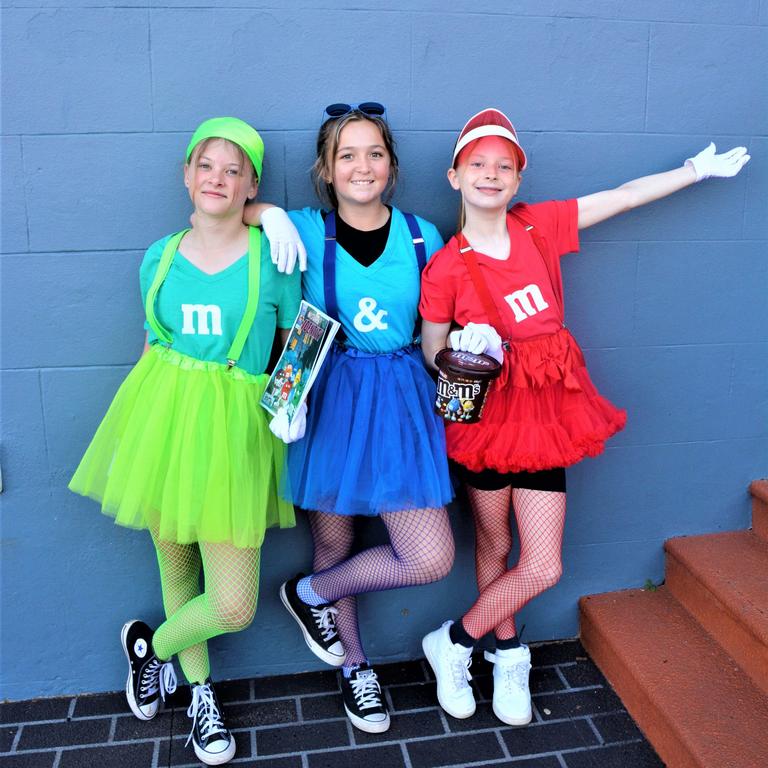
{"type": "Point", "coordinates": [297, 721]}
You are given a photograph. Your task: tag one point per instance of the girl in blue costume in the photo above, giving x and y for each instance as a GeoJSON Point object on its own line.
{"type": "Point", "coordinates": [185, 449]}
{"type": "Point", "coordinates": [373, 446]}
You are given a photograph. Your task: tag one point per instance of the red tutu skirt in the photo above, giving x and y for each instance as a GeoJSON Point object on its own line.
{"type": "Point", "coordinates": [542, 412]}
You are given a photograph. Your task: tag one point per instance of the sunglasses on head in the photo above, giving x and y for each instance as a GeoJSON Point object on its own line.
{"type": "Point", "coordinates": [372, 108]}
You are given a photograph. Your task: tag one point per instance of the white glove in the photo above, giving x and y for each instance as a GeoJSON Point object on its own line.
{"type": "Point", "coordinates": [290, 433]}
{"type": "Point", "coordinates": [479, 338]}
{"type": "Point", "coordinates": [708, 164]}
{"type": "Point", "coordinates": [284, 240]}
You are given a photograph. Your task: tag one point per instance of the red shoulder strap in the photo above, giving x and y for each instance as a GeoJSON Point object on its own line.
{"type": "Point", "coordinates": [481, 286]}
{"type": "Point", "coordinates": [540, 244]}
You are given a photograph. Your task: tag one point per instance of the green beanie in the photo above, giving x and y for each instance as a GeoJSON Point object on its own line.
{"type": "Point", "coordinates": [235, 130]}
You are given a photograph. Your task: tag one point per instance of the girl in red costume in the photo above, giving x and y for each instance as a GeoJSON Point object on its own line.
{"type": "Point", "coordinates": [499, 281]}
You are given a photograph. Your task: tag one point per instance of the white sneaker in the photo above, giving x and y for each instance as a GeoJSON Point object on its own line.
{"type": "Point", "coordinates": [511, 696]}
{"type": "Point", "coordinates": [450, 662]}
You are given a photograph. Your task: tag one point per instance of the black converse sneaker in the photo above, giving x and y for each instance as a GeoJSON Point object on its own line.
{"type": "Point", "coordinates": [363, 700]}
{"type": "Point", "coordinates": [317, 623]}
{"type": "Point", "coordinates": [213, 743]}
{"type": "Point", "coordinates": [149, 679]}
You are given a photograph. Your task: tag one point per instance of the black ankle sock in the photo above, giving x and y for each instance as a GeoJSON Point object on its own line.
{"type": "Point", "coordinates": [460, 635]}
{"type": "Point", "coordinates": [510, 642]}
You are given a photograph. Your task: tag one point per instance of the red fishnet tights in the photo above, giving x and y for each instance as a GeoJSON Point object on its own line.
{"type": "Point", "coordinates": [540, 519]}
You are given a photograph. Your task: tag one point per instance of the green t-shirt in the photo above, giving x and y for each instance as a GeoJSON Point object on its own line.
{"type": "Point", "coordinates": [203, 312]}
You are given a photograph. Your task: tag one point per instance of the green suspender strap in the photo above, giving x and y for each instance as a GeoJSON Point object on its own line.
{"type": "Point", "coordinates": [254, 280]}
{"type": "Point", "coordinates": [166, 259]}
{"type": "Point", "coordinates": [252, 304]}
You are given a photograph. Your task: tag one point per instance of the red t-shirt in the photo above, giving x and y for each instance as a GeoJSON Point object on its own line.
{"type": "Point", "coordinates": [521, 285]}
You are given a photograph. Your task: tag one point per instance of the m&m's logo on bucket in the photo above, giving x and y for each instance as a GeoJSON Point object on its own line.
{"type": "Point", "coordinates": [462, 384]}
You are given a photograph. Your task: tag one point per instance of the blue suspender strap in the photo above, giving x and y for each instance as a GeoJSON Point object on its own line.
{"type": "Point", "coordinates": [329, 266]}
{"type": "Point", "coordinates": [421, 257]}
{"type": "Point", "coordinates": [329, 272]}
{"type": "Point", "coordinates": [418, 240]}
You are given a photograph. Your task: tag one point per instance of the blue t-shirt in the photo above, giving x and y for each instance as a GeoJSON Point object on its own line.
{"type": "Point", "coordinates": [377, 304]}
{"type": "Point", "coordinates": [202, 312]}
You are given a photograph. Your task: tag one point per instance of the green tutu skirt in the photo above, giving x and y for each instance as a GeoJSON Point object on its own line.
{"type": "Point", "coordinates": [185, 449]}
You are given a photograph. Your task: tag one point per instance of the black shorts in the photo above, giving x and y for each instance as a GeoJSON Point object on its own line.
{"type": "Point", "coordinates": [491, 480]}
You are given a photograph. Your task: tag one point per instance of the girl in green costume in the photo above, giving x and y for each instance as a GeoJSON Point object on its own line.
{"type": "Point", "coordinates": [185, 450]}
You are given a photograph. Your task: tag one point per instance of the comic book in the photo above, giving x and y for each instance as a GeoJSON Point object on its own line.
{"type": "Point", "coordinates": [303, 354]}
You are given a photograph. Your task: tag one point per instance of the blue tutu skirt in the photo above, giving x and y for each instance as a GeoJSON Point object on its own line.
{"type": "Point", "coordinates": [373, 443]}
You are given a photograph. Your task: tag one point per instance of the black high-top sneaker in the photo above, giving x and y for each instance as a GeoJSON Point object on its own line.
{"type": "Point", "coordinates": [149, 679]}
{"type": "Point", "coordinates": [317, 624]}
{"type": "Point", "coordinates": [212, 740]}
{"type": "Point", "coordinates": [364, 701]}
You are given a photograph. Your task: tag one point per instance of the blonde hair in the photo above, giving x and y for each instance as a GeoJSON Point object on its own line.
{"type": "Point", "coordinates": [328, 144]}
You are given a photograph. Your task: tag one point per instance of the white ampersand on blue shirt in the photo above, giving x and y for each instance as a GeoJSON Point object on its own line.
{"type": "Point", "coordinates": [368, 318]}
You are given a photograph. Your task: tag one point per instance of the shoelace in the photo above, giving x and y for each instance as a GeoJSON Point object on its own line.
{"type": "Point", "coordinates": [157, 674]}
{"type": "Point", "coordinates": [204, 713]}
{"type": "Point", "coordinates": [367, 691]}
{"type": "Point", "coordinates": [460, 670]}
{"type": "Point", "coordinates": [325, 619]}
{"type": "Point", "coordinates": [514, 674]}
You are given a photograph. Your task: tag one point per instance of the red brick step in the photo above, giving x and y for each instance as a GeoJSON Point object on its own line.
{"type": "Point", "coordinates": [759, 491]}
{"type": "Point", "coordinates": [692, 700]}
{"type": "Point", "coordinates": [722, 581]}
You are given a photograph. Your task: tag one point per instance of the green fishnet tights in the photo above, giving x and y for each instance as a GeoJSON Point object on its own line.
{"type": "Point", "coordinates": [228, 604]}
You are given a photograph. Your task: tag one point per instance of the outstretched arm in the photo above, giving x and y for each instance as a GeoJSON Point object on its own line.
{"type": "Point", "coordinates": [602, 205]}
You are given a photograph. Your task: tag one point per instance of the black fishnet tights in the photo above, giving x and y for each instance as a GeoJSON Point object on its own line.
{"type": "Point", "coordinates": [540, 519]}
{"type": "Point", "coordinates": [332, 537]}
{"type": "Point", "coordinates": [420, 551]}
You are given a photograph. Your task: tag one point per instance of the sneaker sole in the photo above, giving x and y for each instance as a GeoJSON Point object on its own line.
{"type": "Point", "coordinates": [458, 715]}
{"type": "Point", "coordinates": [318, 650]}
{"type": "Point", "coordinates": [129, 693]}
{"type": "Point", "coordinates": [367, 725]}
{"type": "Point", "coordinates": [513, 720]}
{"type": "Point", "coordinates": [216, 759]}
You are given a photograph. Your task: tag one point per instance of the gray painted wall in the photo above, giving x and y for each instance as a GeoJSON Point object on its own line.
{"type": "Point", "coordinates": [98, 102]}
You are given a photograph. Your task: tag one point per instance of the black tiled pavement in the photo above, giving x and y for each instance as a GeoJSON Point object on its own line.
{"type": "Point", "coordinates": [297, 721]}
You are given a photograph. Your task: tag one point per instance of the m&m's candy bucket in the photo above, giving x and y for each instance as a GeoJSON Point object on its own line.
{"type": "Point", "coordinates": [462, 384]}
